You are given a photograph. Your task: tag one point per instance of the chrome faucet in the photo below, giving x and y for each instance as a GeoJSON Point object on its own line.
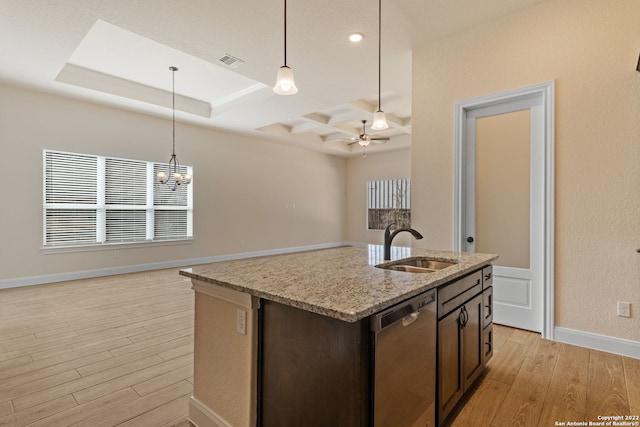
{"type": "Point", "coordinates": [388, 238]}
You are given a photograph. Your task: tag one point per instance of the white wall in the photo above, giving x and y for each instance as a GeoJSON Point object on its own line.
{"type": "Point", "coordinates": [590, 48]}
{"type": "Point", "coordinates": [244, 188]}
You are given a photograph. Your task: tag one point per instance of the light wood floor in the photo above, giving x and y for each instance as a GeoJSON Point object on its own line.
{"type": "Point", "coordinates": [535, 382]}
{"type": "Point", "coordinates": [98, 352]}
{"type": "Point", "coordinates": [118, 351]}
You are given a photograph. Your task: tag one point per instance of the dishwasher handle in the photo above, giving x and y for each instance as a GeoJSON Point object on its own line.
{"type": "Point", "coordinates": [407, 312]}
{"type": "Point", "coordinates": [410, 318]}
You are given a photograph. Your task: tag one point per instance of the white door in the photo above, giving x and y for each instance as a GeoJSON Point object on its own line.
{"type": "Point", "coordinates": [503, 197]}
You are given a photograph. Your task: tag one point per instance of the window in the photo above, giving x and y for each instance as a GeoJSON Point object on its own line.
{"type": "Point", "coordinates": [95, 200]}
{"type": "Point", "coordinates": [389, 201]}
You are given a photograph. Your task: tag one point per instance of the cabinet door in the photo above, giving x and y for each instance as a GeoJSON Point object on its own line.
{"type": "Point", "coordinates": [314, 370]}
{"type": "Point", "coordinates": [487, 296]}
{"type": "Point", "coordinates": [472, 344]}
{"type": "Point", "coordinates": [488, 343]}
{"type": "Point", "coordinates": [450, 381]}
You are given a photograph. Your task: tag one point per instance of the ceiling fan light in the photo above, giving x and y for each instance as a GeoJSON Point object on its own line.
{"type": "Point", "coordinates": [364, 140]}
{"type": "Point", "coordinates": [285, 85]}
{"type": "Point", "coordinates": [379, 121]}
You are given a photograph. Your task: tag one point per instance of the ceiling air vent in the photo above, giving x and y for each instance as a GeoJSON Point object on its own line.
{"type": "Point", "coordinates": [230, 61]}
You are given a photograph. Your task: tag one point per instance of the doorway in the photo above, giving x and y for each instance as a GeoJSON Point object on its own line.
{"type": "Point", "coordinates": [504, 198]}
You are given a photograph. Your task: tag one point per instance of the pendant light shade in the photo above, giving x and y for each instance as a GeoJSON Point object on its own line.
{"type": "Point", "coordinates": [285, 85]}
{"type": "Point", "coordinates": [379, 119]}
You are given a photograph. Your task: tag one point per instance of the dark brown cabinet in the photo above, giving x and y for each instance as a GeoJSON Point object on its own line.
{"type": "Point", "coordinates": [487, 339]}
{"type": "Point", "coordinates": [487, 307]}
{"type": "Point", "coordinates": [460, 353]}
{"type": "Point", "coordinates": [487, 300]}
{"type": "Point", "coordinates": [472, 342]}
{"type": "Point", "coordinates": [314, 369]}
{"type": "Point", "coordinates": [464, 328]}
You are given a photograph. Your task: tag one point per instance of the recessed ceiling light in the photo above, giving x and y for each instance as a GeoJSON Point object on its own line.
{"type": "Point", "coordinates": [356, 37]}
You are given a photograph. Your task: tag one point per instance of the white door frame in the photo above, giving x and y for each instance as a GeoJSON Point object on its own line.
{"type": "Point", "coordinates": [462, 109]}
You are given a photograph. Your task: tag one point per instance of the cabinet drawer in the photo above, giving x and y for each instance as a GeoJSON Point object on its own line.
{"type": "Point", "coordinates": [487, 277]}
{"type": "Point", "coordinates": [455, 294]}
{"type": "Point", "coordinates": [487, 305]}
{"type": "Point", "coordinates": [487, 346]}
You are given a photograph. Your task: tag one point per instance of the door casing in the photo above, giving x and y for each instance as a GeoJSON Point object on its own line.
{"type": "Point", "coordinates": [462, 110]}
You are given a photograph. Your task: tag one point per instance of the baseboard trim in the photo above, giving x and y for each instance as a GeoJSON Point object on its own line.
{"type": "Point", "coordinates": [202, 416]}
{"type": "Point", "coordinates": [598, 342]}
{"type": "Point", "coordinates": [88, 274]}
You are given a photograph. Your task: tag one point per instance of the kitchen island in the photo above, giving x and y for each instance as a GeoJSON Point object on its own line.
{"type": "Point", "coordinates": [299, 325]}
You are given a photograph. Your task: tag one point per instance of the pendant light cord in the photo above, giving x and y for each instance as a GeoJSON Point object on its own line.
{"type": "Point", "coordinates": [285, 33]}
{"type": "Point", "coordinates": [379, 50]}
{"type": "Point", "coordinates": [173, 106]}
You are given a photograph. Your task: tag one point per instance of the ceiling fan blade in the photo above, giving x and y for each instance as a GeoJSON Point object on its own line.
{"type": "Point", "coordinates": [380, 139]}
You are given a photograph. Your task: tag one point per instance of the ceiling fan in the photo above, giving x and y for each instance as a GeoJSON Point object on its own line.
{"type": "Point", "coordinates": [364, 139]}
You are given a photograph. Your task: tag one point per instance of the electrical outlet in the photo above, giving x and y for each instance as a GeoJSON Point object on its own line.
{"type": "Point", "coordinates": [624, 309]}
{"type": "Point", "coordinates": [241, 322]}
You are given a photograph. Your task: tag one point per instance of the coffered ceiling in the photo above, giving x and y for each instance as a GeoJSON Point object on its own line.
{"type": "Point", "coordinates": [118, 53]}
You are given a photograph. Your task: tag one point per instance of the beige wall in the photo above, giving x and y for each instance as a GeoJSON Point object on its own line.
{"type": "Point", "coordinates": [225, 376]}
{"type": "Point", "coordinates": [242, 185]}
{"type": "Point", "coordinates": [590, 48]}
{"type": "Point", "coordinates": [388, 165]}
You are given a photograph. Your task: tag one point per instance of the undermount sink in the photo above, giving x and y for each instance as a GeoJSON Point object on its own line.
{"type": "Point", "coordinates": [417, 265]}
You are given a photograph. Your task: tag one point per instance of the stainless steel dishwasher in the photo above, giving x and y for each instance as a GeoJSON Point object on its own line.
{"type": "Point", "coordinates": [405, 363]}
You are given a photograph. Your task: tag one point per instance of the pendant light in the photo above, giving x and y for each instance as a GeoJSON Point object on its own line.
{"type": "Point", "coordinates": [178, 178]}
{"type": "Point", "coordinates": [285, 85]}
{"type": "Point", "coordinates": [379, 119]}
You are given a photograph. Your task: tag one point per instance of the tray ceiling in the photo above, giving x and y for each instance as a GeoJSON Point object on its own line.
{"type": "Point", "coordinates": [118, 54]}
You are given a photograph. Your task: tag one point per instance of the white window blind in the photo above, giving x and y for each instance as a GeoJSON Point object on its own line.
{"type": "Point", "coordinates": [96, 200]}
{"type": "Point", "coordinates": [125, 190]}
{"type": "Point", "coordinates": [126, 226]}
{"type": "Point", "coordinates": [125, 182]}
{"type": "Point", "coordinates": [70, 225]}
{"type": "Point", "coordinates": [388, 201]}
{"type": "Point", "coordinates": [70, 178]}
{"type": "Point", "coordinates": [170, 224]}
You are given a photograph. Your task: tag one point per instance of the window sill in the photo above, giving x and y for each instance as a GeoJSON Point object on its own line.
{"type": "Point", "coordinates": [113, 246]}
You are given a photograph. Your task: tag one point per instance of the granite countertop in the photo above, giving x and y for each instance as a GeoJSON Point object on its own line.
{"type": "Point", "coordinates": [342, 282]}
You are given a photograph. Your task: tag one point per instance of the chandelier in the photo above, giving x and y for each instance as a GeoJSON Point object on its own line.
{"type": "Point", "coordinates": [174, 165]}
